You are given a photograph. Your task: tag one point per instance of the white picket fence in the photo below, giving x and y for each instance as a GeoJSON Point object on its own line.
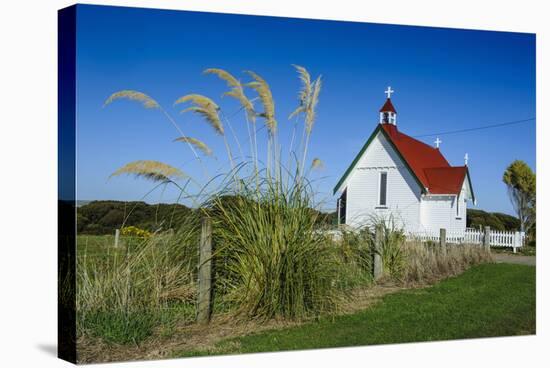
{"type": "Point", "coordinates": [512, 239]}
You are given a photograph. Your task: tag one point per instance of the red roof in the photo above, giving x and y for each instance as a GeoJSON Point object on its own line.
{"type": "Point", "coordinates": [427, 163]}
{"type": "Point", "coordinates": [388, 106]}
{"type": "Point", "coordinates": [445, 180]}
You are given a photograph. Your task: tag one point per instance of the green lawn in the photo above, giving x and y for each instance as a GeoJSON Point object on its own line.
{"type": "Point", "coordinates": [487, 300]}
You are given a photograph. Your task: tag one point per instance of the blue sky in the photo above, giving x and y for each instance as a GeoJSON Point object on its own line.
{"type": "Point", "coordinates": [444, 80]}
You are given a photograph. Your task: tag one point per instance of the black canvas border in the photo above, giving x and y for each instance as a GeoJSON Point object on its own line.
{"type": "Point", "coordinates": [66, 227]}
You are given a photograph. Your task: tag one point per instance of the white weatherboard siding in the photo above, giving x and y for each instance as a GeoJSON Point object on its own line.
{"type": "Point", "coordinates": [403, 192]}
{"type": "Point", "coordinates": [439, 211]}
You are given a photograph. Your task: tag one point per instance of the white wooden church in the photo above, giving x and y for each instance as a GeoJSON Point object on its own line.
{"type": "Point", "coordinates": [396, 175]}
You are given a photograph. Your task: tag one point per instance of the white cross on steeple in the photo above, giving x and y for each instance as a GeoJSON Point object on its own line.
{"type": "Point", "coordinates": [438, 142]}
{"type": "Point", "coordinates": [466, 159]}
{"type": "Point", "coordinates": [389, 91]}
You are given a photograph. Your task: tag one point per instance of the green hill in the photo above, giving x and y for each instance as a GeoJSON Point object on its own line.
{"type": "Point", "coordinates": [496, 220]}
{"type": "Point", "coordinates": [103, 217]}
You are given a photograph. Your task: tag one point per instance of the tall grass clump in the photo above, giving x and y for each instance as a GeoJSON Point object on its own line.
{"type": "Point", "coordinates": [427, 263]}
{"type": "Point", "coordinates": [273, 262]}
{"type": "Point", "coordinates": [391, 249]}
{"type": "Point", "coordinates": [416, 262]}
{"type": "Point", "coordinates": [270, 260]}
{"type": "Point", "coordinates": [122, 298]}
{"type": "Point", "coordinates": [356, 258]}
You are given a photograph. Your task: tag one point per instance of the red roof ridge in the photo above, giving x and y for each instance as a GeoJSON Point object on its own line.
{"type": "Point", "coordinates": [444, 167]}
{"type": "Point", "coordinates": [403, 135]}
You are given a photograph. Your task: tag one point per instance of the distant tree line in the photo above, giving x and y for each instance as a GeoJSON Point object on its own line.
{"type": "Point", "coordinates": [103, 217]}
{"type": "Point", "coordinates": [496, 220]}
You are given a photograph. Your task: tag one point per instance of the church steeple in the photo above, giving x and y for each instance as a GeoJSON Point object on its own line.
{"type": "Point", "coordinates": [388, 115]}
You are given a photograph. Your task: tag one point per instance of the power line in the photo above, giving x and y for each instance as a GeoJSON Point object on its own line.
{"type": "Point", "coordinates": [474, 129]}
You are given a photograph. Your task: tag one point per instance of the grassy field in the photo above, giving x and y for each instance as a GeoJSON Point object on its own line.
{"type": "Point", "coordinates": [487, 300]}
{"type": "Point", "coordinates": [100, 248]}
{"type": "Point", "coordinates": [124, 278]}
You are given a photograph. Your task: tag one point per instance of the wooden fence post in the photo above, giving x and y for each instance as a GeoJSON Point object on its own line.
{"type": "Point", "coordinates": [487, 238]}
{"type": "Point", "coordinates": [117, 236]}
{"type": "Point", "coordinates": [443, 240]}
{"type": "Point", "coordinates": [377, 250]}
{"type": "Point", "coordinates": [205, 272]}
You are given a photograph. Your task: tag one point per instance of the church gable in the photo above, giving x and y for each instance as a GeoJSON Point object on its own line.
{"type": "Point", "coordinates": [380, 154]}
{"type": "Point", "coordinates": [381, 184]}
{"type": "Point", "coordinates": [388, 145]}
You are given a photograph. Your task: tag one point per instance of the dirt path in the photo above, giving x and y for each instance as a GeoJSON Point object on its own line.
{"type": "Point", "coordinates": [511, 258]}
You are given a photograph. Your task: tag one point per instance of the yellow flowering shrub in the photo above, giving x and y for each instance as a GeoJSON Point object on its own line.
{"type": "Point", "coordinates": [135, 231]}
